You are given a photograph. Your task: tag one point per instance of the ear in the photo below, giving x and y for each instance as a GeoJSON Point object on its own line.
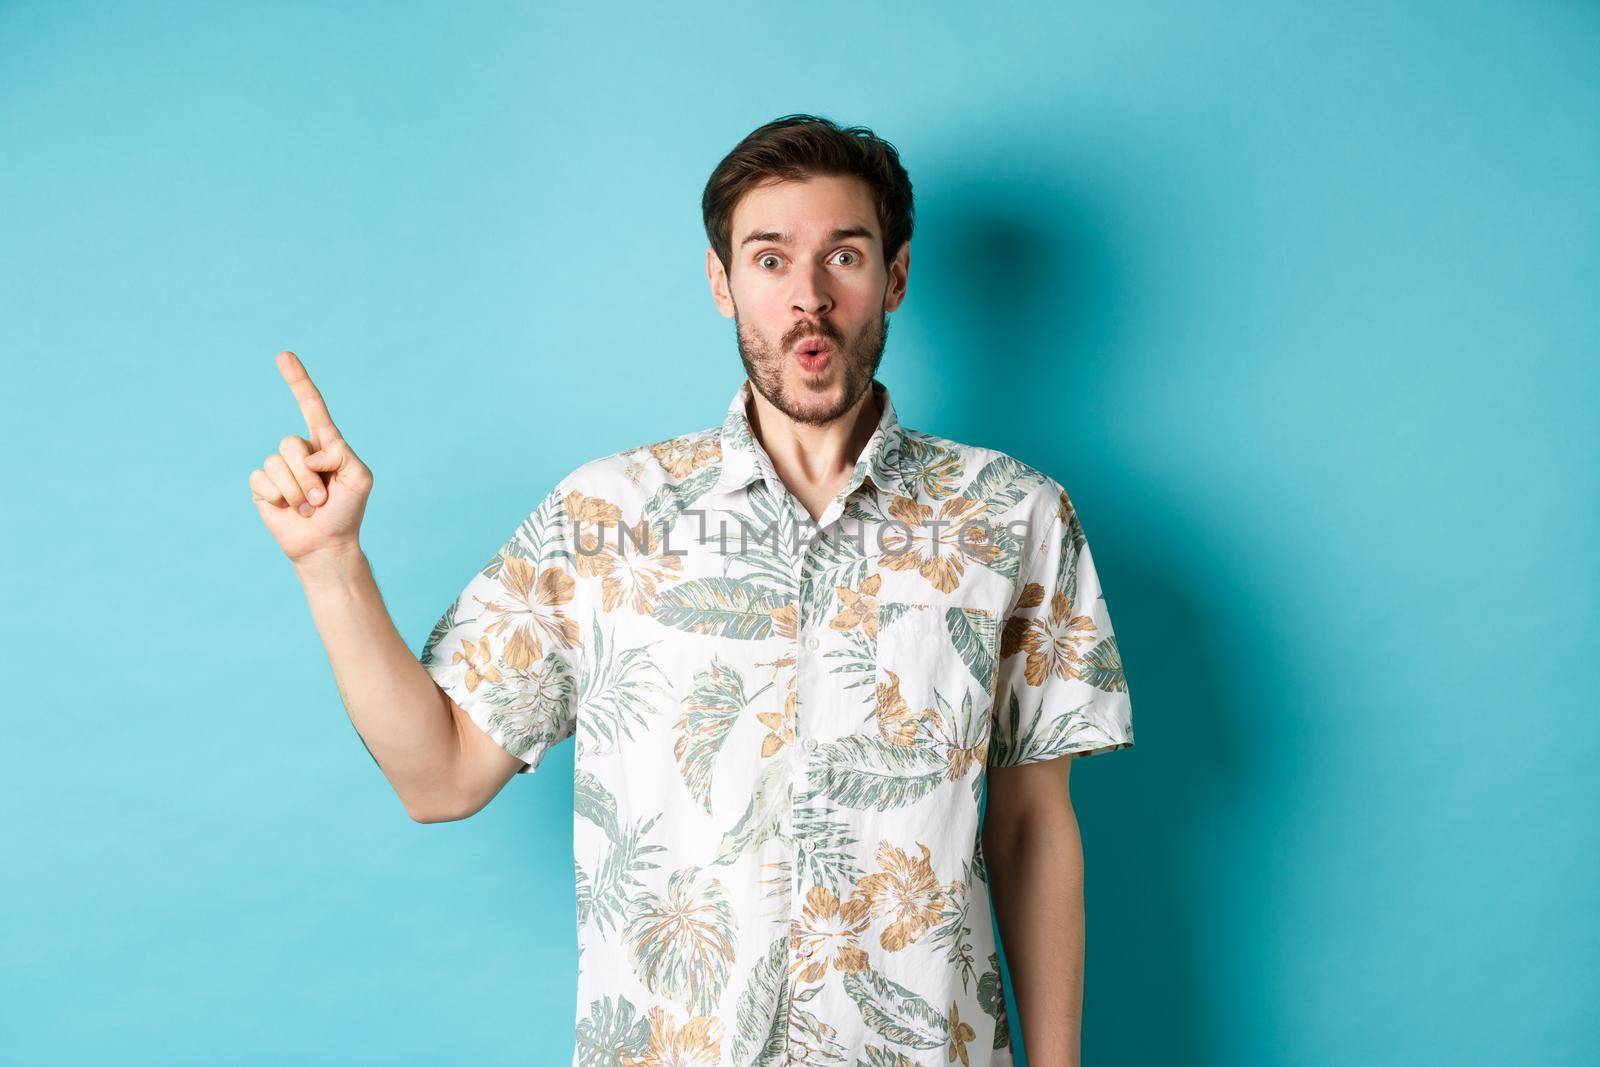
{"type": "Point", "coordinates": [718, 278]}
{"type": "Point", "coordinates": [899, 272]}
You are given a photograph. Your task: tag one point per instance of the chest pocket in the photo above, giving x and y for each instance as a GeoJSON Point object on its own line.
{"type": "Point", "coordinates": [935, 676]}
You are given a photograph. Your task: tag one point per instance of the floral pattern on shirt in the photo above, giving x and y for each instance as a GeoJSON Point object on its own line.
{"type": "Point", "coordinates": [783, 730]}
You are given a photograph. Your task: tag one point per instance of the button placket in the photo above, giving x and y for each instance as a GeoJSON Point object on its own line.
{"type": "Point", "coordinates": [806, 644]}
{"type": "Point", "coordinates": [802, 771]}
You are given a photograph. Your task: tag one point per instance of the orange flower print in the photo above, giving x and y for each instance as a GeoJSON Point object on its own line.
{"type": "Point", "coordinates": [897, 723]}
{"type": "Point", "coordinates": [780, 726]}
{"type": "Point", "coordinates": [633, 574]}
{"type": "Point", "coordinates": [698, 1043]}
{"type": "Point", "coordinates": [533, 611]}
{"type": "Point", "coordinates": [628, 560]}
{"type": "Point", "coordinates": [828, 932]}
{"type": "Point", "coordinates": [480, 663]}
{"type": "Point", "coordinates": [682, 456]}
{"type": "Point", "coordinates": [860, 607]}
{"type": "Point", "coordinates": [960, 1034]}
{"type": "Point", "coordinates": [1055, 643]}
{"type": "Point", "coordinates": [595, 522]}
{"type": "Point", "coordinates": [938, 549]}
{"type": "Point", "coordinates": [906, 890]}
{"type": "Point", "coordinates": [963, 759]}
{"type": "Point", "coordinates": [786, 620]}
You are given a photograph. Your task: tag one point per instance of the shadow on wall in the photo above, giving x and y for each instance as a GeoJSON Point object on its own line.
{"type": "Point", "coordinates": [1021, 290]}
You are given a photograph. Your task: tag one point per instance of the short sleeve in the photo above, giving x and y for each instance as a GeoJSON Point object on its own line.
{"type": "Point", "coordinates": [508, 650]}
{"type": "Point", "coordinates": [1060, 689]}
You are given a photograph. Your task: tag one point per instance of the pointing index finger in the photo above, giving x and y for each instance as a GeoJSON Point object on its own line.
{"type": "Point", "coordinates": [318, 421]}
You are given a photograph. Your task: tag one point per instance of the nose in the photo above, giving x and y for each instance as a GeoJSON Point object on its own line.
{"type": "Point", "coordinates": [810, 294]}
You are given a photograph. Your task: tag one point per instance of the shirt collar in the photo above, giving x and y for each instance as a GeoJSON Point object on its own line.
{"type": "Point", "coordinates": [744, 460]}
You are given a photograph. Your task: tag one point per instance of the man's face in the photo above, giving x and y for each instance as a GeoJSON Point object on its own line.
{"type": "Point", "coordinates": [807, 269]}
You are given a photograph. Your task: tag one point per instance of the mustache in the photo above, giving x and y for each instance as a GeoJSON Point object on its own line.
{"type": "Point", "coordinates": [819, 330]}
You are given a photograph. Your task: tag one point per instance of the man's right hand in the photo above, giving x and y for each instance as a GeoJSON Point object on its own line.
{"type": "Point", "coordinates": [311, 493]}
{"type": "Point", "coordinates": [411, 727]}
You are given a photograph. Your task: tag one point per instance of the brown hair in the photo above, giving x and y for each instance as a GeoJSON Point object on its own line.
{"type": "Point", "coordinates": [797, 147]}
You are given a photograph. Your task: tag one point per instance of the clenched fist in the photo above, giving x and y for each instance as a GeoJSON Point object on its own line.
{"type": "Point", "coordinates": [311, 493]}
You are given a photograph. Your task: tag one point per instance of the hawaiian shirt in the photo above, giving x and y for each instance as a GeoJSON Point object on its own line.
{"type": "Point", "coordinates": [783, 727]}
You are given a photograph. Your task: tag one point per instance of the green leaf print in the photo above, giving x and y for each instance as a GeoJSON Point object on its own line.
{"type": "Point", "coordinates": [924, 465]}
{"type": "Point", "coordinates": [625, 857]}
{"type": "Point", "coordinates": [712, 708]}
{"type": "Point", "coordinates": [611, 1032]}
{"type": "Point", "coordinates": [1103, 667]}
{"type": "Point", "coordinates": [594, 802]}
{"type": "Point", "coordinates": [951, 931]}
{"type": "Point", "coordinates": [1069, 732]}
{"type": "Point", "coordinates": [811, 1041]}
{"type": "Point", "coordinates": [1074, 531]}
{"type": "Point", "coordinates": [1003, 483]}
{"type": "Point", "coordinates": [895, 1012]}
{"type": "Point", "coordinates": [863, 772]}
{"type": "Point", "coordinates": [551, 693]}
{"type": "Point", "coordinates": [763, 1006]}
{"type": "Point", "coordinates": [619, 692]}
{"type": "Point", "coordinates": [1072, 542]}
{"type": "Point", "coordinates": [992, 999]}
{"type": "Point", "coordinates": [721, 607]}
{"type": "Point", "coordinates": [975, 632]}
{"type": "Point", "coordinates": [858, 657]}
{"type": "Point", "coordinates": [833, 561]}
{"type": "Point", "coordinates": [620, 871]}
{"type": "Point", "coordinates": [585, 892]}
{"type": "Point", "coordinates": [840, 556]}
{"type": "Point", "coordinates": [1007, 563]}
{"type": "Point", "coordinates": [682, 945]}
{"type": "Point", "coordinates": [769, 802]}
{"type": "Point", "coordinates": [542, 536]}
{"type": "Point", "coordinates": [891, 611]}
{"type": "Point", "coordinates": [829, 861]}
{"type": "Point", "coordinates": [661, 511]}
{"type": "Point", "coordinates": [446, 623]}
{"type": "Point", "coordinates": [528, 704]}
{"type": "Point", "coordinates": [970, 727]}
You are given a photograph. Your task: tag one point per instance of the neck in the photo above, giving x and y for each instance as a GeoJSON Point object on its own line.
{"type": "Point", "coordinates": [814, 460]}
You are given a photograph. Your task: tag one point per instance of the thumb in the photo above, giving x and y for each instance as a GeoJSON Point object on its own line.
{"type": "Point", "coordinates": [328, 459]}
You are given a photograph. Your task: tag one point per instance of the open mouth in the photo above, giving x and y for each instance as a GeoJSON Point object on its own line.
{"type": "Point", "coordinates": [813, 354]}
{"type": "Point", "coordinates": [813, 346]}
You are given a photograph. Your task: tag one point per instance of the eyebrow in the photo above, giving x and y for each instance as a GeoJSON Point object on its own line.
{"type": "Point", "coordinates": [783, 239]}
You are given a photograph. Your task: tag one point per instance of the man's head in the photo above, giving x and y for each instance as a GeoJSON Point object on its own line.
{"type": "Point", "coordinates": [810, 231]}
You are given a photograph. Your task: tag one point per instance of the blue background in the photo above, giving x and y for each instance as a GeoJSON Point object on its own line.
{"type": "Point", "coordinates": [1298, 301]}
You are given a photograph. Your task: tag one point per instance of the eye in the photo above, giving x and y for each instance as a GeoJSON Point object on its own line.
{"type": "Point", "coordinates": [851, 253]}
{"type": "Point", "coordinates": [764, 258]}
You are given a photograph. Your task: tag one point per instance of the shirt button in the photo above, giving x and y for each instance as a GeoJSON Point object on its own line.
{"type": "Point", "coordinates": [810, 743]}
{"type": "Point", "coordinates": [812, 641]}
{"type": "Point", "coordinates": [804, 845]}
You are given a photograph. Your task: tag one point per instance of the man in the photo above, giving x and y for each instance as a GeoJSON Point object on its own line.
{"type": "Point", "coordinates": [794, 648]}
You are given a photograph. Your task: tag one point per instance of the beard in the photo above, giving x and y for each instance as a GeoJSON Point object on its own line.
{"type": "Point", "coordinates": [775, 374]}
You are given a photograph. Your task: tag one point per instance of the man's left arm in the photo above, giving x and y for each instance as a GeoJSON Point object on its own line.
{"type": "Point", "coordinates": [1034, 859]}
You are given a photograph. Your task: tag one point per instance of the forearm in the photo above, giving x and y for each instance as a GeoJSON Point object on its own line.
{"type": "Point", "coordinates": [1036, 882]}
{"type": "Point", "coordinates": [397, 709]}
